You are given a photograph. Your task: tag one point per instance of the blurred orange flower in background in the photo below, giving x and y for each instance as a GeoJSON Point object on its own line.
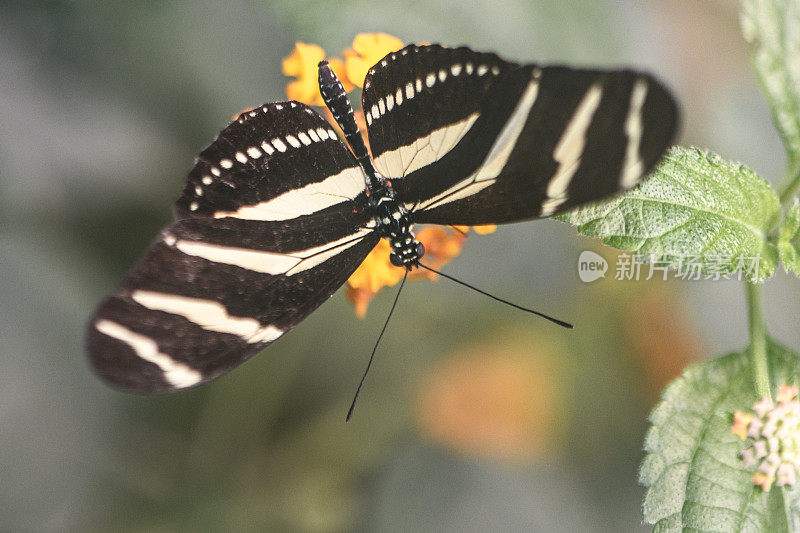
{"type": "Point", "coordinates": [499, 402]}
{"type": "Point", "coordinates": [663, 337]}
{"type": "Point", "coordinates": [441, 244]}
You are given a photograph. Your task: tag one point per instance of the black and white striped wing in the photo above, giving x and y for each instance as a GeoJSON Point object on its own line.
{"type": "Point", "coordinates": [467, 138]}
{"type": "Point", "coordinates": [273, 219]}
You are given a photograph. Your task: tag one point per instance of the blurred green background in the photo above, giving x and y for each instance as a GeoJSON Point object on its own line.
{"type": "Point", "coordinates": [474, 417]}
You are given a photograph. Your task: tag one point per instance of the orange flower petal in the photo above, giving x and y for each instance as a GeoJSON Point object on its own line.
{"type": "Point", "coordinates": [302, 64]}
{"type": "Point", "coordinates": [376, 271]}
{"type": "Point", "coordinates": [486, 229]}
{"type": "Point", "coordinates": [740, 422]}
{"type": "Point", "coordinates": [440, 244]}
{"type": "Point", "coordinates": [763, 480]}
{"type": "Point", "coordinates": [360, 299]}
{"type": "Point", "coordinates": [368, 49]}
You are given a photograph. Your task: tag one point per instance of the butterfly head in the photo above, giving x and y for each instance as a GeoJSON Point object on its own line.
{"type": "Point", "coordinates": [407, 256]}
{"type": "Point", "coordinates": [394, 225]}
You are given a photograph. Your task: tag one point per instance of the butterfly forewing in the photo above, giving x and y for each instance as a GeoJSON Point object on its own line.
{"type": "Point", "coordinates": [543, 140]}
{"type": "Point", "coordinates": [419, 101]}
{"type": "Point", "coordinates": [273, 219]}
{"type": "Point", "coordinates": [282, 151]}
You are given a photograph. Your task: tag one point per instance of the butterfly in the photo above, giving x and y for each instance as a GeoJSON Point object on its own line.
{"type": "Point", "coordinates": [278, 212]}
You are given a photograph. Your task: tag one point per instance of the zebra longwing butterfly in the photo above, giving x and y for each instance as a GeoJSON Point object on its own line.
{"type": "Point", "coordinates": [277, 212]}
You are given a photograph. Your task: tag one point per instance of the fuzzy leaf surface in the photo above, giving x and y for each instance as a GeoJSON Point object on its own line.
{"type": "Point", "coordinates": [696, 213]}
{"type": "Point", "coordinates": [789, 240]}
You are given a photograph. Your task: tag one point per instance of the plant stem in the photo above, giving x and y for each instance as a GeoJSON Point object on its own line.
{"type": "Point", "coordinates": [758, 341]}
{"type": "Point", "coordinates": [791, 182]}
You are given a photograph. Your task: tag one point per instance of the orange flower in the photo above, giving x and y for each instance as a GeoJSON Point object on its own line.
{"type": "Point", "coordinates": [302, 64]}
{"type": "Point", "coordinates": [368, 49]}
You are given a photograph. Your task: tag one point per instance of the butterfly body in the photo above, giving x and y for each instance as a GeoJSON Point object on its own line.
{"type": "Point", "coordinates": [278, 212]}
{"type": "Point", "coordinates": [391, 217]}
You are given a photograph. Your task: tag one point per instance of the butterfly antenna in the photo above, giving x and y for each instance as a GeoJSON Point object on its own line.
{"type": "Point", "coordinates": [371, 357]}
{"type": "Point", "coordinates": [493, 297]}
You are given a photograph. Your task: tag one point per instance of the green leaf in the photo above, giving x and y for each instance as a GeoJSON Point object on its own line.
{"type": "Point", "coordinates": [695, 209]}
{"type": "Point", "coordinates": [789, 240]}
{"type": "Point", "coordinates": [772, 27]}
{"type": "Point", "coordinates": [694, 477]}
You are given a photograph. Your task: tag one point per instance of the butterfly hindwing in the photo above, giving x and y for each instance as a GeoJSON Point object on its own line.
{"type": "Point", "coordinates": [540, 140]}
{"type": "Point", "coordinates": [271, 235]}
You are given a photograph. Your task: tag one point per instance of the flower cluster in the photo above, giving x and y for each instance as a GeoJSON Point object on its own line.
{"type": "Point", "coordinates": [441, 244]}
{"type": "Point", "coordinates": [773, 433]}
